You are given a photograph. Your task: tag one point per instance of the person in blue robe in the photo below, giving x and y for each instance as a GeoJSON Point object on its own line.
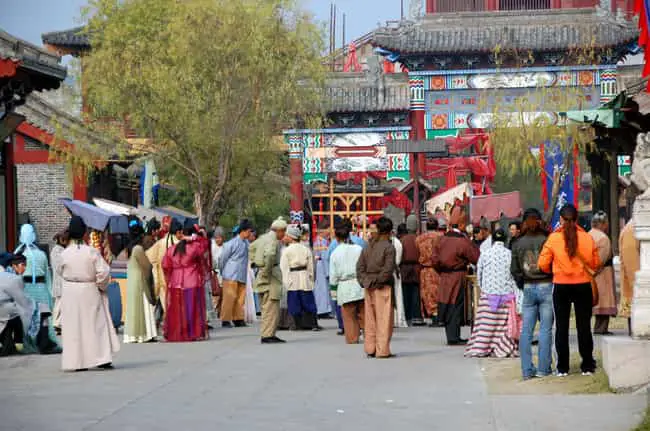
{"type": "Point", "coordinates": [322, 288]}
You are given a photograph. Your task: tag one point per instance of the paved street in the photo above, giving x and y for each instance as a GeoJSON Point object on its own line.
{"type": "Point", "coordinates": [314, 382]}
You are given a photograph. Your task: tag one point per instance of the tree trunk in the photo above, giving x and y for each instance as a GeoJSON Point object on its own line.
{"type": "Point", "coordinates": [200, 208]}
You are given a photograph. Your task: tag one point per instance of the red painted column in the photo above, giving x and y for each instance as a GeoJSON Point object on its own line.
{"type": "Point", "coordinates": [296, 178]}
{"type": "Point", "coordinates": [80, 184]}
{"type": "Point", "coordinates": [10, 193]}
{"type": "Point", "coordinates": [431, 6]}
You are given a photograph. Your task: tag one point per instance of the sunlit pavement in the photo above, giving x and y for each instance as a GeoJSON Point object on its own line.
{"type": "Point", "coordinates": [314, 382]}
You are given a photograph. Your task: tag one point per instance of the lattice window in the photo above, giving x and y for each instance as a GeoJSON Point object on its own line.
{"type": "Point", "coordinates": [524, 4]}
{"type": "Point", "coordinates": [34, 145]}
{"type": "Point", "coordinates": [459, 5]}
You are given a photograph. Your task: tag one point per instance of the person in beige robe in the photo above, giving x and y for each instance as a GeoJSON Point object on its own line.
{"type": "Point", "coordinates": [297, 266]}
{"type": "Point", "coordinates": [630, 252]}
{"type": "Point", "coordinates": [61, 241]}
{"type": "Point", "coordinates": [155, 255]}
{"type": "Point", "coordinates": [606, 306]}
{"type": "Point", "coordinates": [89, 339]}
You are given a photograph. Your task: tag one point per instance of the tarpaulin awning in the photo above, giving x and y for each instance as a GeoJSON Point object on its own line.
{"type": "Point", "coordinates": [492, 206]}
{"type": "Point", "coordinates": [445, 200]}
{"type": "Point", "coordinates": [97, 218]}
{"type": "Point", "coordinates": [606, 117]}
{"type": "Point", "coordinates": [146, 213]}
{"type": "Point", "coordinates": [177, 213]}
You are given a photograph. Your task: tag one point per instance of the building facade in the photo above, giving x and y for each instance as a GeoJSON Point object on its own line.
{"type": "Point", "coordinates": [28, 182]}
{"type": "Point", "coordinates": [454, 79]}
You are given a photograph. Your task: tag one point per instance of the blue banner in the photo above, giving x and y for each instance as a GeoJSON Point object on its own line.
{"type": "Point", "coordinates": [554, 158]}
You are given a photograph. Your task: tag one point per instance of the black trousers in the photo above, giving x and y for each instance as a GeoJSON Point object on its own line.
{"type": "Point", "coordinates": [601, 325]}
{"type": "Point", "coordinates": [580, 296]}
{"type": "Point", "coordinates": [12, 334]}
{"type": "Point", "coordinates": [411, 292]}
{"type": "Point", "coordinates": [452, 315]}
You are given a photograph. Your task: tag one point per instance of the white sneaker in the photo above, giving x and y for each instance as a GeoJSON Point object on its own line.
{"type": "Point", "coordinates": [561, 374]}
{"type": "Point", "coordinates": [587, 373]}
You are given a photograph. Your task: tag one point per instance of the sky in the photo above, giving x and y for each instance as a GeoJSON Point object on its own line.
{"type": "Point", "coordinates": [28, 19]}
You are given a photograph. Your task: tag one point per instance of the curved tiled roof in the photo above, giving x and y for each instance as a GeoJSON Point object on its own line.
{"type": "Point", "coordinates": [72, 38]}
{"type": "Point", "coordinates": [49, 118]}
{"type": "Point", "coordinates": [538, 30]}
{"type": "Point", "coordinates": [44, 67]}
{"type": "Point", "coordinates": [355, 92]}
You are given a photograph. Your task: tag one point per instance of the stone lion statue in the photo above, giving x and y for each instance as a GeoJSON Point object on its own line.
{"type": "Point", "coordinates": [641, 165]}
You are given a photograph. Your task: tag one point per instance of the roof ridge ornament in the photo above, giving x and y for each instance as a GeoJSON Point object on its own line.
{"type": "Point", "coordinates": [375, 76]}
{"type": "Point", "coordinates": [604, 8]}
{"type": "Point", "coordinates": [415, 9]}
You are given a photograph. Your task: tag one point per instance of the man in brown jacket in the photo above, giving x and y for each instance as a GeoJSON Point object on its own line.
{"type": "Point", "coordinates": [410, 273]}
{"type": "Point", "coordinates": [375, 270]}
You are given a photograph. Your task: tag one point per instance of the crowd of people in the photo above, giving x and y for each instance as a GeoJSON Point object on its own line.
{"type": "Point", "coordinates": [181, 280]}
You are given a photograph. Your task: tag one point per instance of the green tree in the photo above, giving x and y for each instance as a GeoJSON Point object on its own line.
{"type": "Point", "coordinates": [210, 84]}
{"type": "Point", "coordinates": [519, 125]}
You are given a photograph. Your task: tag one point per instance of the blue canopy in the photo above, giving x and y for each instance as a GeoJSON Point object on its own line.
{"type": "Point", "coordinates": [97, 218]}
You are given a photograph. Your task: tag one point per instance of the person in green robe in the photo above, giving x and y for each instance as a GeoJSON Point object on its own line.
{"type": "Point", "coordinates": [140, 321]}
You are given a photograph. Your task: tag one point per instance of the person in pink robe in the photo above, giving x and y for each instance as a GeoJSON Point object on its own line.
{"type": "Point", "coordinates": [184, 267]}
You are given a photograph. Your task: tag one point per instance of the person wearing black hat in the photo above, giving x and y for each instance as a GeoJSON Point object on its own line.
{"type": "Point", "coordinates": [88, 336]}
{"type": "Point", "coordinates": [140, 321]}
{"type": "Point", "coordinates": [538, 295]}
{"type": "Point", "coordinates": [155, 254]}
{"type": "Point", "coordinates": [233, 266]}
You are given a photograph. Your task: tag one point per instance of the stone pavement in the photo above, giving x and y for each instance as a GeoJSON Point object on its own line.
{"type": "Point", "coordinates": [314, 382]}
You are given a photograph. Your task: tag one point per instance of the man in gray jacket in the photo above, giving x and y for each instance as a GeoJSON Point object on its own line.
{"type": "Point", "coordinates": [17, 312]}
{"type": "Point", "coordinates": [15, 308]}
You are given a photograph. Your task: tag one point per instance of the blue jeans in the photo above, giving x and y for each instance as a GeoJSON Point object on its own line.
{"type": "Point", "coordinates": [537, 305]}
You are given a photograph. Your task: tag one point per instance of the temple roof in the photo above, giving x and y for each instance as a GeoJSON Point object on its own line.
{"type": "Point", "coordinates": [74, 38]}
{"type": "Point", "coordinates": [535, 30]}
{"type": "Point", "coordinates": [51, 119]}
{"type": "Point", "coordinates": [365, 92]}
{"type": "Point", "coordinates": [43, 66]}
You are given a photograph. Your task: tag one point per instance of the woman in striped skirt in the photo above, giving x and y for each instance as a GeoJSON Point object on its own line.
{"type": "Point", "coordinates": [490, 332]}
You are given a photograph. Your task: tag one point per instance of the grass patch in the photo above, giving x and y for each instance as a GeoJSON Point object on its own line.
{"type": "Point", "coordinates": [645, 425]}
{"type": "Point", "coordinates": [503, 377]}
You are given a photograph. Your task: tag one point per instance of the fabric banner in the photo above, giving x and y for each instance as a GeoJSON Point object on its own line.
{"type": "Point", "coordinates": [642, 8]}
{"type": "Point", "coordinates": [554, 159]}
{"type": "Point", "coordinates": [446, 200]}
{"type": "Point", "coordinates": [149, 185]}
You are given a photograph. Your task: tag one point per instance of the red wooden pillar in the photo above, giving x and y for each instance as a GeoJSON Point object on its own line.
{"type": "Point", "coordinates": [10, 193]}
{"type": "Point", "coordinates": [418, 132]}
{"type": "Point", "coordinates": [431, 6]}
{"type": "Point", "coordinates": [80, 184]}
{"type": "Point", "coordinates": [296, 179]}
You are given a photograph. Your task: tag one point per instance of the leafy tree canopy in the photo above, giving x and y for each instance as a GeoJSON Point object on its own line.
{"type": "Point", "coordinates": [210, 84]}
